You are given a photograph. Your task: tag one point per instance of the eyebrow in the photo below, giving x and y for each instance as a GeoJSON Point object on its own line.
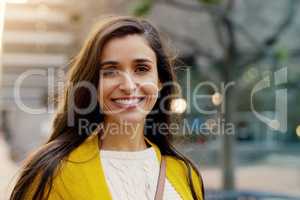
{"type": "Point", "coordinates": [108, 63]}
{"type": "Point", "coordinates": [138, 60]}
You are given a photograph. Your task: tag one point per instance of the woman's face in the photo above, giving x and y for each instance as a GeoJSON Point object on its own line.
{"type": "Point", "coordinates": [128, 83]}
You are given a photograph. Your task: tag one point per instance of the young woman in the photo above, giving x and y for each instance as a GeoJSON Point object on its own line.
{"type": "Point", "coordinates": [107, 141]}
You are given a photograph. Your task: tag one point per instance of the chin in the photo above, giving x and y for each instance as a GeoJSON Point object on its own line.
{"type": "Point", "coordinates": [133, 119]}
{"type": "Point", "coordinates": [129, 118]}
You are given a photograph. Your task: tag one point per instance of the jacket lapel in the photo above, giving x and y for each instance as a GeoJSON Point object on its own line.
{"type": "Point", "coordinates": [95, 177]}
{"type": "Point", "coordinates": [172, 174]}
{"type": "Point", "coordinates": [94, 181]}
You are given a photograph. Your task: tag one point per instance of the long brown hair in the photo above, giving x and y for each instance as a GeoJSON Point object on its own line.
{"type": "Point", "coordinates": [85, 67]}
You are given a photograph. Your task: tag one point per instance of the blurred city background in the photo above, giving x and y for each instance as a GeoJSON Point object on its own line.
{"type": "Point", "coordinates": [254, 44]}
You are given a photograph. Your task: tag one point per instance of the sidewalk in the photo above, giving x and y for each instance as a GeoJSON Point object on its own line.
{"type": "Point", "coordinates": [275, 172]}
{"type": "Point", "coordinates": [8, 171]}
{"type": "Point", "coordinates": [260, 178]}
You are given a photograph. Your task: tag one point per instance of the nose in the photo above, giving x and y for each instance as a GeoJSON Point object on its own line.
{"type": "Point", "coordinates": [128, 84]}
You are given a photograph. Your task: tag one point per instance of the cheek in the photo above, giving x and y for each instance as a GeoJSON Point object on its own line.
{"type": "Point", "coordinates": [150, 89]}
{"type": "Point", "coordinates": [104, 90]}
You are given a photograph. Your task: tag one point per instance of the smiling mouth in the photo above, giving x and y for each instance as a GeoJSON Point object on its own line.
{"type": "Point", "coordinates": [128, 102]}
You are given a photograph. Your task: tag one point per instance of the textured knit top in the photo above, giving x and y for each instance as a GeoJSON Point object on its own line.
{"type": "Point", "coordinates": [133, 175]}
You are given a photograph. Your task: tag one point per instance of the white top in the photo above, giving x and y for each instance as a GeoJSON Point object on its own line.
{"type": "Point", "coordinates": [133, 175]}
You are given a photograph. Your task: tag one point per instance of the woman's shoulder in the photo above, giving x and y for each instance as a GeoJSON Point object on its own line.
{"type": "Point", "coordinates": [78, 174]}
{"type": "Point", "coordinates": [179, 165]}
{"type": "Point", "coordinates": [180, 168]}
{"type": "Point", "coordinates": [176, 163]}
{"type": "Point", "coordinates": [85, 151]}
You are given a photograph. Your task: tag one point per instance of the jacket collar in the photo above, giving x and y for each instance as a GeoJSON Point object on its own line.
{"type": "Point", "coordinates": [89, 152]}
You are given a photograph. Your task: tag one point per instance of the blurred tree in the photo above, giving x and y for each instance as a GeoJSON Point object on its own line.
{"type": "Point", "coordinates": [235, 59]}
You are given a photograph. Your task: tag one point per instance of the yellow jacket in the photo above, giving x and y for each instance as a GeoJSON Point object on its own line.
{"type": "Point", "coordinates": [81, 177]}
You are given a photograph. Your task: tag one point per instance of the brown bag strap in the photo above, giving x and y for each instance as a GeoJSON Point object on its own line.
{"type": "Point", "coordinates": [161, 180]}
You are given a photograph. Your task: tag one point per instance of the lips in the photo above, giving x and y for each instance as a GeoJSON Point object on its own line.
{"type": "Point", "coordinates": [128, 101]}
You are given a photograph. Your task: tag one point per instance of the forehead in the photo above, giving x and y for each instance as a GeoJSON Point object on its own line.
{"type": "Point", "coordinates": [127, 47]}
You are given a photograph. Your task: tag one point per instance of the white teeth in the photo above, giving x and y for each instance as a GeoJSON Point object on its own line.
{"type": "Point", "coordinates": [127, 101]}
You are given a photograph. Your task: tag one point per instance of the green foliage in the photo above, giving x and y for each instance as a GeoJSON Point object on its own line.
{"type": "Point", "coordinates": [281, 54]}
{"type": "Point", "coordinates": [142, 8]}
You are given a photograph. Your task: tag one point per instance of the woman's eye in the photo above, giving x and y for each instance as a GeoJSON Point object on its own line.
{"type": "Point", "coordinates": [142, 68]}
{"type": "Point", "coordinates": [109, 72]}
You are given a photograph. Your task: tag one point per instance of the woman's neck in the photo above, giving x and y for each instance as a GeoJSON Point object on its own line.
{"type": "Point", "coordinates": [120, 137]}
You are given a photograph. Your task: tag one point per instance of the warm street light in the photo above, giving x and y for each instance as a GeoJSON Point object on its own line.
{"type": "Point", "coordinates": [216, 98]}
{"type": "Point", "coordinates": [298, 131]}
{"type": "Point", "coordinates": [2, 21]}
{"type": "Point", "coordinates": [178, 105]}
